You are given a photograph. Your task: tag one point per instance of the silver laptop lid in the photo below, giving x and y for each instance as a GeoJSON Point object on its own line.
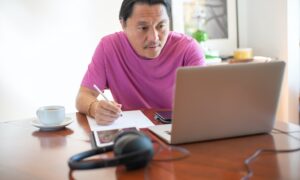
{"type": "Point", "coordinates": [225, 100]}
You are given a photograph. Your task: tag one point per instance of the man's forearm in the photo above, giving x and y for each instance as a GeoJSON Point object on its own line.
{"type": "Point", "coordinates": [84, 100]}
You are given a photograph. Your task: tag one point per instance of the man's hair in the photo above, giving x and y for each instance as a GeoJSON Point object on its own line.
{"type": "Point", "coordinates": [127, 7]}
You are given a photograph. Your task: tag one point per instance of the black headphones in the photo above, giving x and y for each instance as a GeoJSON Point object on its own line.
{"type": "Point", "coordinates": [131, 148]}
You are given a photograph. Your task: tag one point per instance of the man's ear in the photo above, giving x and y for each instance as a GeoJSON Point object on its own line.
{"type": "Point", "coordinates": [123, 24]}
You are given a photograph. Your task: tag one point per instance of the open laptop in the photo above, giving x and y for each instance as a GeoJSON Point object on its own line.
{"type": "Point", "coordinates": [223, 101]}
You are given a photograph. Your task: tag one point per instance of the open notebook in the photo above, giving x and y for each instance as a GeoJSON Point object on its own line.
{"type": "Point", "coordinates": [223, 101]}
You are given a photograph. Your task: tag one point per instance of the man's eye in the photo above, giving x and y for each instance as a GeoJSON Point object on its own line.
{"type": "Point", "coordinates": [143, 28]}
{"type": "Point", "coordinates": [161, 26]}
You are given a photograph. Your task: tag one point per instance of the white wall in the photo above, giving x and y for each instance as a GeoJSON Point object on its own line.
{"type": "Point", "coordinates": [271, 28]}
{"type": "Point", "coordinates": [45, 47]}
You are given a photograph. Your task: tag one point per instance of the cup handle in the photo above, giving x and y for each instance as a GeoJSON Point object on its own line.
{"type": "Point", "coordinates": [37, 112]}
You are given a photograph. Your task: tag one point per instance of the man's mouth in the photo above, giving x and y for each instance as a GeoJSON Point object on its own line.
{"type": "Point", "coordinates": [152, 46]}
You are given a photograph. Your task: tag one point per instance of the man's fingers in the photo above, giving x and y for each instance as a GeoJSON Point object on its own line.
{"type": "Point", "coordinates": [104, 119]}
{"type": "Point", "coordinates": [109, 114]}
{"type": "Point", "coordinates": [112, 107]}
{"type": "Point", "coordinates": [106, 113]}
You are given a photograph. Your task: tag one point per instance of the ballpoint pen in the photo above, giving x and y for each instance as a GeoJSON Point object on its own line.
{"type": "Point", "coordinates": [102, 94]}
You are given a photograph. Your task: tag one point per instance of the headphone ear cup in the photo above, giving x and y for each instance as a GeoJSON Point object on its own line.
{"type": "Point", "coordinates": [133, 149]}
{"type": "Point", "coordinates": [126, 134]}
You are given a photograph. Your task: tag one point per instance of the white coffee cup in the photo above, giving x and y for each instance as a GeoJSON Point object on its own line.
{"type": "Point", "coordinates": [51, 115]}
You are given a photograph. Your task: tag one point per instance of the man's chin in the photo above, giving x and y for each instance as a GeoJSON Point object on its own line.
{"type": "Point", "coordinates": [152, 55]}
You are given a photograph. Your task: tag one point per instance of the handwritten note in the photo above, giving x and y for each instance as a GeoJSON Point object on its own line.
{"type": "Point", "coordinates": [129, 119]}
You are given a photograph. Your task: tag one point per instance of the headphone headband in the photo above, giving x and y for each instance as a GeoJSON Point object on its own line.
{"type": "Point", "coordinates": [134, 152]}
{"type": "Point", "coordinates": [75, 162]}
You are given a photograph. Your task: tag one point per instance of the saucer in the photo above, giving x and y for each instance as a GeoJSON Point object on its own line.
{"type": "Point", "coordinates": [35, 122]}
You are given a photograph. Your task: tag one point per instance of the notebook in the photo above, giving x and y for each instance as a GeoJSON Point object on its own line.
{"type": "Point", "coordinates": [223, 101]}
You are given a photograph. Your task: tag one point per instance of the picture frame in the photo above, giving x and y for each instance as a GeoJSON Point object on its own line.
{"type": "Point", "coordinates": [225, 44]}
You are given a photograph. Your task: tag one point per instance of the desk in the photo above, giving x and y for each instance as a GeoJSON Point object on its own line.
{"type": "Point", "coordinates": [27, 153]}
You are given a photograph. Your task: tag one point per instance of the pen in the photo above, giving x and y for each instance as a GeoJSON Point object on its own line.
{"type": "Point", "coordinates": [102, 94]}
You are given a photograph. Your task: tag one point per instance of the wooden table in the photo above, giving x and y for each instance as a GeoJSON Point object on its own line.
{"type": "Point", "coordinates": [27, 153]}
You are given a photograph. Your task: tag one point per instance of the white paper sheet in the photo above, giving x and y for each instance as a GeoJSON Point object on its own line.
{"type": "Point", "coordinates": [129, 119]}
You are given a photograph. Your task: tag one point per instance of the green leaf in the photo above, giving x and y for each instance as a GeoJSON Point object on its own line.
{"type": "Point", "coordinates": [200, 36]}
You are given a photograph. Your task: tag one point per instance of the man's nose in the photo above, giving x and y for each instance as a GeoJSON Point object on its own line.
{"type": "Point", "coordinates": [153, 35]}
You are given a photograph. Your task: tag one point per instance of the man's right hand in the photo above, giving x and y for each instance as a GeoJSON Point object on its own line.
{"type": "Point", "coordinates": [106, 112]}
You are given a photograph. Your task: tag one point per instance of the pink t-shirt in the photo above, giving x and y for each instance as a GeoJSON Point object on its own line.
{"type": "Point", "coordinates": [136, 82]}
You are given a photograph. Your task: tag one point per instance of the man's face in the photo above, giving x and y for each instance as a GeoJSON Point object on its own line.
{"type": "Point", "coordinates": [147, 29]}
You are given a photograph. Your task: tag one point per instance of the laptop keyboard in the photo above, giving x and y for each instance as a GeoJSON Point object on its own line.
{"type": "Point", "coordinates": [168, 132]}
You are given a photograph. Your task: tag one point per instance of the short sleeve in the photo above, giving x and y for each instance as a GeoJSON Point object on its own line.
{"type": "Point", "coordinates": [194, 55]}
{"type": "Point", "coordinates": [96, 73]}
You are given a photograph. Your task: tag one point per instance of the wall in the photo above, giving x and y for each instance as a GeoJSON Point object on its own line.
{"type": "Point", "coordinates": [45, 47]}
{"type": "Point", "coordinates": [271, 28]}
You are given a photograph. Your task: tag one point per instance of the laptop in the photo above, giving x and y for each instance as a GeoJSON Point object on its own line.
{"type": "Point", "coordinates": [223, 101]}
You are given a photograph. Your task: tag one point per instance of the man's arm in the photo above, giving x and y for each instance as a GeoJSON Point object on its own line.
{"type": "Point", "coordinates": [84, 99]}
{"type": "Point", "coordinates": [104, 112]}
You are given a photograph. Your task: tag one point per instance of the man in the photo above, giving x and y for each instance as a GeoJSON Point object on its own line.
{"type": "Point", "coordinates": [139, 64]}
